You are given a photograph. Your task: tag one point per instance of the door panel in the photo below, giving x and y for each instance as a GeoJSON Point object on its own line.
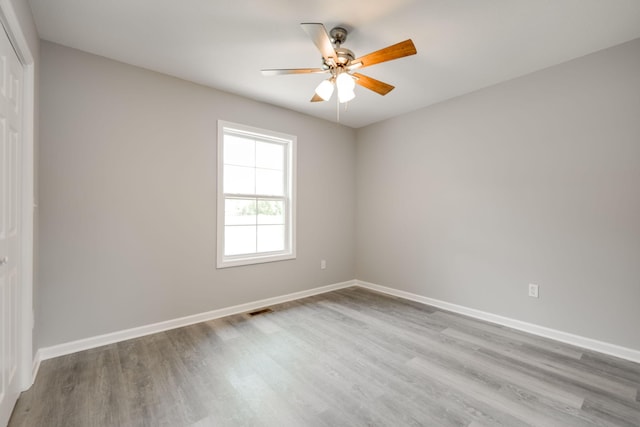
{"type": "Point", "coordinates": [10, 199]}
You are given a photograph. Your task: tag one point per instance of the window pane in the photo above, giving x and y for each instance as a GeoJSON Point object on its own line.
{"type": "Point", "coordinates": [239, 151]}
{"type": "Point", "coordinates": [240, 212]}
{"type": "Point", "coordinates": [239, 239]}
{"type": "Point", "coordinates": [269, 182]}
{"type": "Point", "coordinates": [270, 238]}
{"type": "Point", "coordinates": [239, 180]}
{"type": "Point", "coordinates": [269, 155]}
{"type": "Point", "coordinates": [270, 212]}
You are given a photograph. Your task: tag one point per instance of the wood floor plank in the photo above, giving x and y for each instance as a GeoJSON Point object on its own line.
{"type": "Point", "coordinates": [341, 350]}
{"type": "Point", "coordinates": [585, 377]}
{"type": "Point", "coordinates": [351, 357]}
{"type": "Point", "coordinates": [474, 365]}
{"type": "Point", "coordinates": [511, 404]}
{"type": "Point", "coordinates": [513, 335]}
{"type": "Point", "coordinates": [105, 404]}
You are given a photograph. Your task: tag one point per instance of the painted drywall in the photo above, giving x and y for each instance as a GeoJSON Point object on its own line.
{"type": "Point", "coordinates": [127, 199]}
{"type": "Point", "coordinates": [535, 180]}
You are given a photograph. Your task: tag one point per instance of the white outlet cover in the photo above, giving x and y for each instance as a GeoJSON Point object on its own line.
{"type": "Point", "coordinates": [533, 290]}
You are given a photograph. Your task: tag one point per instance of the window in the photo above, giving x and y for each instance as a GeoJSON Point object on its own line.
{"type": "Point", "coordinates": [256, 190]}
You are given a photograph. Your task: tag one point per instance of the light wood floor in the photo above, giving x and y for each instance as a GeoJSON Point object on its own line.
{"type": "Point", "coordinates": [346, 358]}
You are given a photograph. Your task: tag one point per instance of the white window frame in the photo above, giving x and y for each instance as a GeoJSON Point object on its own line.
{"type": "Point", "coordinates": [290, 142]}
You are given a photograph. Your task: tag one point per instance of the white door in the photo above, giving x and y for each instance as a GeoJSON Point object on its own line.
{"type": "Point", "coordinates": [10, 161]}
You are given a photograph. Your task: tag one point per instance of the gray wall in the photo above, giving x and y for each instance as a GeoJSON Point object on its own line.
{"type": "Point", "coordinates": [531, 181]}
{"type": "Point", "coordinates": [127, 199]}
{"type": "Point", "coordinates": [536, 180]}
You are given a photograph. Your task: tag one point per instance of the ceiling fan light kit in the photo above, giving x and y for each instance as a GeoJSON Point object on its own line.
{"type": "Point", "coordinates": [341, 64]}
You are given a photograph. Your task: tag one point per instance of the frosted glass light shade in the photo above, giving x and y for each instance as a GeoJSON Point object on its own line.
{"type": "Point", "coordinates": [345, 95]}
{"type": "Point", "coordinates": [345, 82]}
{"type": "Point", "coordinates": [325, 90]}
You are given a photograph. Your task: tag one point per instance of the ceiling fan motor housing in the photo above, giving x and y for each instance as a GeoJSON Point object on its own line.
{"type": "Point", "coordinates": [344, 56]}
{"type": "Point", "coordinates": [338, 35]}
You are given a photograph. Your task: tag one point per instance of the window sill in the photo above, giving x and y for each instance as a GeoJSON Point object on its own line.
{"type": "Point", "coordinates": [236, 262]}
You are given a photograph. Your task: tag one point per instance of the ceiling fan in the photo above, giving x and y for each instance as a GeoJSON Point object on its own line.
{"type": "Point", "coordinates": [341, 63]}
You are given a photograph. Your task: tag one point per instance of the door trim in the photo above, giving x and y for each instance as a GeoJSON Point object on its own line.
{"type": "Point", "coordinates": [11, 24]}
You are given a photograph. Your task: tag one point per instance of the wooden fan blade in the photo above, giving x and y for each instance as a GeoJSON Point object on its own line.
{"type": "Point", "coordinates": [281, 71]}
{"type": "Point", "coordinates": [320, 38]}
{"type": "Point", "coordinates": [372, 84]}
{"type": "Point", "coordinates": [398, 50]}
{"type": "Point", "coordinates": [316, 98]}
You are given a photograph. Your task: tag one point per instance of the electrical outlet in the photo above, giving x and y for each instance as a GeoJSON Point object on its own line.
{"type": "Point", "coordinates": [323, 264]}
{"type": "Point", "coordinates": [533, 290]}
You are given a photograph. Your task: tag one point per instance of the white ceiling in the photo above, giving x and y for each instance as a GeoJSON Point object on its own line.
{"type": "Point", "coordinates": [463, 45]}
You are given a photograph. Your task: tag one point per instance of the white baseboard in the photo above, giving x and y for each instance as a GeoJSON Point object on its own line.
{"type": "Point", "coordinates": [110, 338]}
{"type": "Point", "coordinates": [565, 337]}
